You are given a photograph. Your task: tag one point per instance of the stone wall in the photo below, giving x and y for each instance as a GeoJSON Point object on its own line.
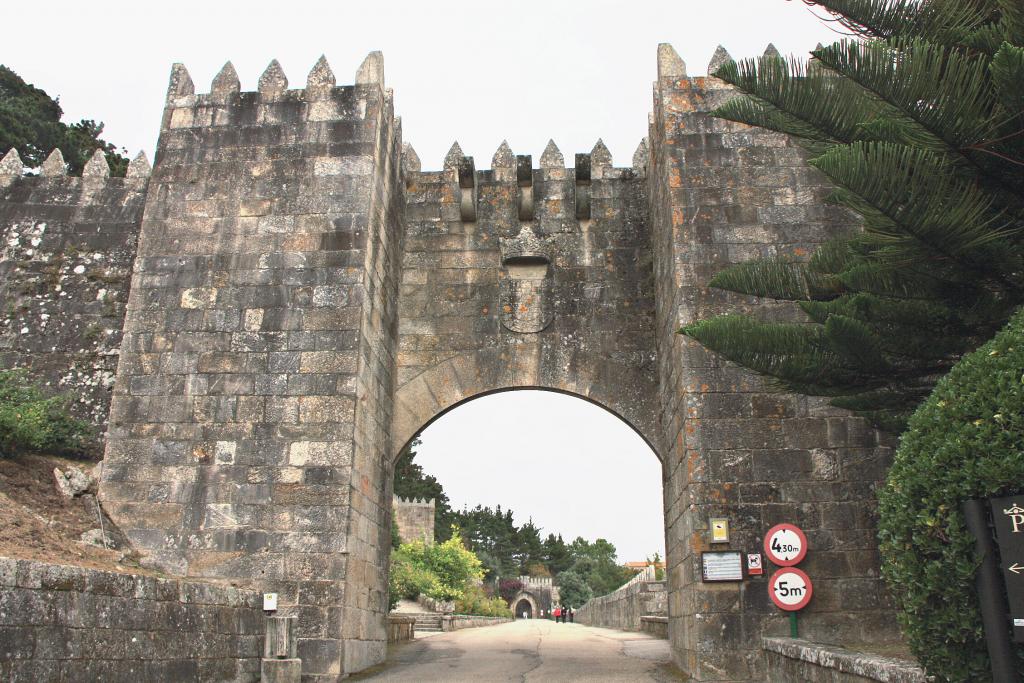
{"type": "Point", "coordinates": [370, 496]}
{"type": "Point", "coordinates": [525, 277]}
{"type": "Point", "coordinates": [401, 628]}
{"type": "Point", "coordinates": [624, 608]}
{"type": "Point", "coordinates": [305, 300]}
{"type": "Point", "coordinates": [415, 519]}
{"type": "Point", "coordinates": [657, 626]}
{"type": "Point", "coordinates": [457, 622]}
{"type": "Point", "coordinates": [722, 193]}
{"type": "Point", "coordinates": [248, 428]}
{"type": "Point", "coordinates": [60, 623]}
{"type": "Point", "coordinates": [789, 659]}
{"type": "Point", "coordinates": [65, 263]}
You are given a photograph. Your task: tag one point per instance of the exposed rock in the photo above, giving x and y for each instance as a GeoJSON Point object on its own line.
{"type": "Point", "coordinates": [98, 538]}
{"type": "Point", "coordinates": [72, 482]}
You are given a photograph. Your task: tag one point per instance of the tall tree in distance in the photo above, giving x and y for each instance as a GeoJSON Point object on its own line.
{"type": "Point", "coordinates": [556, 554]}
{"type": "Point", "coordinates": [595, 563]}
{"type": "Point", "coordinates": [492, 533]}
{"type": "Point", "coordinates": [530, 550]}
{"type": "Point", "coordinates": [918, 119]}
{"type": "Point", "coordinates": [573, 589]}
{"type": "Point", "coordinates": [30, 122]}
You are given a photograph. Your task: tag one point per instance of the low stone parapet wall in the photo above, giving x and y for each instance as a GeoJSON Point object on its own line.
{"type": "Point", "coordinates": [656, 626]}
{"type": "Point", "coordinates": [401, 628]}
{"type": "Point", "coordinates": [455, 622]}
{"type": "Point", "coordinates": [433, 605]}
{"type": "Point", "coordinates": [793, 659]}
{"type": "Point", "coordinates": [624, 608]}
{"type": "Point", "coordinates": [63, 623]}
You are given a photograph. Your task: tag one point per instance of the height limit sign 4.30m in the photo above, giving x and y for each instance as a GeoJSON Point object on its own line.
{"type": "Point", "coordinates": [785, 545]}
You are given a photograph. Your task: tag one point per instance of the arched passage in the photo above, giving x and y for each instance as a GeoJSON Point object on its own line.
{"type": "Point", "coordinates": [517, 448]}
{"type": "Point", "coordinates": [524, 606]}
{"type": "Point", "coordinates": [459, 379]}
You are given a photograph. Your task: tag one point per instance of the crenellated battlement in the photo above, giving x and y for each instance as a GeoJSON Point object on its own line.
{"type": "Point", "coordinates": [96, 170]}
{"type": "Point", "coordinates": [420, 502]}
{"type": "Point", "coordinates": [322, 99]}
{"type": "Point", "coordinates": [507, 166]}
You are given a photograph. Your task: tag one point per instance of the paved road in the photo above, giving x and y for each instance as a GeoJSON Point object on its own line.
{"type": "Point", "coordinates": [528, 650]}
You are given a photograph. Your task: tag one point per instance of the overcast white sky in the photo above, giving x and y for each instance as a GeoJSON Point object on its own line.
{"type": "Point", "coordinates": [478, 72]}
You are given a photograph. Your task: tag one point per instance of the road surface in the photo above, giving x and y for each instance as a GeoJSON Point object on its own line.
{"type": "Point", "coordinates": [527, 650]}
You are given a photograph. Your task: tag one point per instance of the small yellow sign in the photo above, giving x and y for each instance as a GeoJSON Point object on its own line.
{"type": "Point", "coordinates": [719, 530]}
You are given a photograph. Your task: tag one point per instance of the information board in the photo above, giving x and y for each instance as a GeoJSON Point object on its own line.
{"type": "Point", "coordinates": [1008, 520]}
{"type": "Point", "coordinates": [725, 565]}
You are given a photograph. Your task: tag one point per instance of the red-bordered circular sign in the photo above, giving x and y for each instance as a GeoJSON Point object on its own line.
{"type": "Point", "coordinates": [790, 589]}
{"type": "Point", "coordinates": [785, 545]}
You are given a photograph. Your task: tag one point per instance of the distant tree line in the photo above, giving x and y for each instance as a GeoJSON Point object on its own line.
{"type": "Point", "coordinates": [506, 550]}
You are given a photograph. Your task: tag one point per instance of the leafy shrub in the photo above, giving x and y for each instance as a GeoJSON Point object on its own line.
{"type": "Point", "coordinates": [455, 566]}
{"type": "Point", "coordinates": [442, 571]}
{"type": "Point", "coordinates": [31, 421]}
{"type": "Point", "coordinates": [408, 577]}
{"type": "Point", "coordinates": [508, 588]}
{"type": "Point", "coordinates": [476, 601]}
{"type": "Point", "coordinates": [966, 441]}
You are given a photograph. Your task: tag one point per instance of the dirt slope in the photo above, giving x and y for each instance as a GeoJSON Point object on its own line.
{"type": "Point", "coordinates": [38, 523]}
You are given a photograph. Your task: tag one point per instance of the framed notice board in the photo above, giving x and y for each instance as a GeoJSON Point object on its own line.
{"type": "Point", "coordinates": [724, 565]}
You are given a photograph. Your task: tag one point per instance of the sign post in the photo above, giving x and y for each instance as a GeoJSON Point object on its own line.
{"type": "Point", "coordinates": [1008, 520]}
{"type": "Point", "coordinates": [789, 588]}
{"type": "Point", "coordinates": [990, 593]}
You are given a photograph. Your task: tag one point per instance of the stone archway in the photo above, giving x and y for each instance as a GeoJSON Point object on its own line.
{"type": "Point", "coordinates": [523, 610]}
{"type": "Point", "coordinates": [277, 356]}
{"type": "Point", "coordinates": [523, 598]}
{"type": "Point", "coordinates": [459, 379]}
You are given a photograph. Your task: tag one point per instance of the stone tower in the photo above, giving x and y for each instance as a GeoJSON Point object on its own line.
{"type": "Point", "coordinates": [415, 519]}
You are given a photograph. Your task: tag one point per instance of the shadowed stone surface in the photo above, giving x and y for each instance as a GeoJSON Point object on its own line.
{"type": "Point", "coordinates": [794, 659]}
{"type": "Point", "coordinates": [60, 623]}
{"type": "Point", "coordinates": [624, 608]}
{"type": "Point", "coordinates": [723, 193]}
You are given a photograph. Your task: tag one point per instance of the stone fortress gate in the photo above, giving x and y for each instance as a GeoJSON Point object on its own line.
{"type": "Point", "coordinates": [304, 299]}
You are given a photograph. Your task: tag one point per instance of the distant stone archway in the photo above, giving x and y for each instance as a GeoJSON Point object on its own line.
{"type": "Point", "coordinates": [522, 599]}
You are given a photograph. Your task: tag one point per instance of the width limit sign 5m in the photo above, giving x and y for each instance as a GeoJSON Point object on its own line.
{"type": "Point", "coordinates": [790, 589]}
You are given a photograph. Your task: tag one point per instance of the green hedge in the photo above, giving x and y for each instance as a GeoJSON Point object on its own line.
{"type": "Point", "coordinates": [966, 441]}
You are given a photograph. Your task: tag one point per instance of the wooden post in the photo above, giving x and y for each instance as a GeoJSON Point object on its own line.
{"type": "Point", "coordinates": [280, 662]}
